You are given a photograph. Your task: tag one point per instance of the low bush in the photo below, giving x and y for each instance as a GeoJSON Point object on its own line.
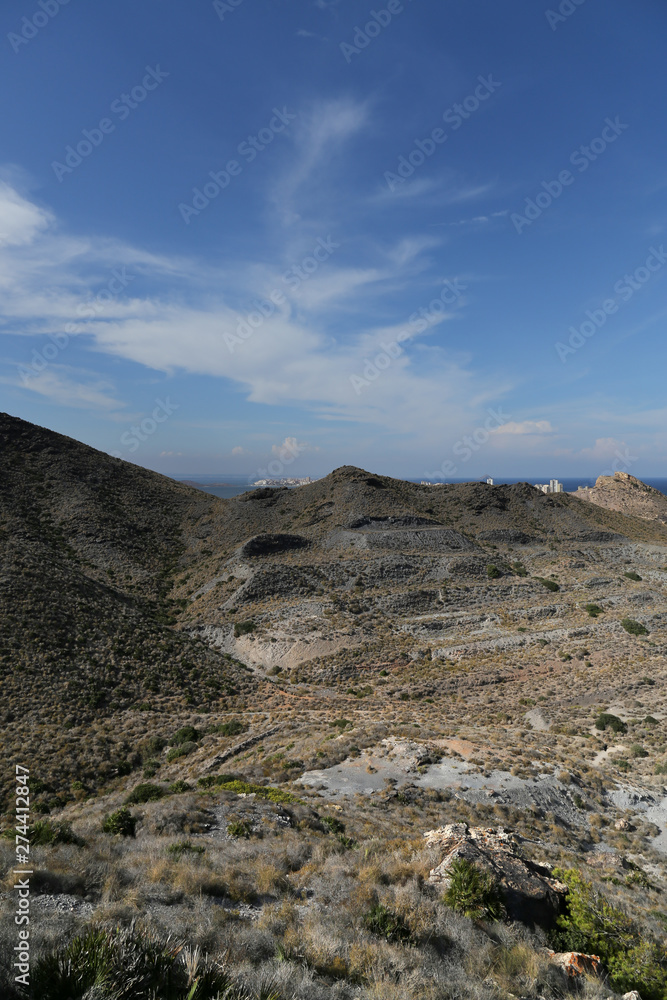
{"type": "Point", "coordinates": [633, 627]}
{"type": "Point", "coordinates": [473, 892]}
{"type": "Point", "coordinates": [243, 628]}
{"type": "Point", "coordinates": [215, 780]}
{"type": "Point", "coordinates": [593, 925]}
{"type": "Point", "coordinates": [261, 791]}
{"type": "Point", "coordinates": [632, 576]}
{"type": "Point", "coordinates": [44, 833]}
{"type": "Point", "coordinates": [606, 720]}
{"type": "Point", "coordinates": [493, 572]}
{"type": "Point", "coordinates": [386, 924]}
{"type": "Point", "coordinates": [126, 963]}
{"type": "Point", "coordinates": [549, 584]}
{"type": "Point", "coordinates": [180, 751]}
{"type": "Point", "coordinates": [145, 793]}
{"type": "Point", "coordinates": [120, 822]}
{"type": "Point", "coordinates": [239, 828]}
{"type": "Point", "coordinates": [178, 787]}
{"type": "Point", "coordinates": [231, 728]}
{"type": "Point", "coordinates": [594, 610]}
{"type": "Point", "coordinates": [188, 734]}
{"type": "Point", "coordinates": [185, 847]}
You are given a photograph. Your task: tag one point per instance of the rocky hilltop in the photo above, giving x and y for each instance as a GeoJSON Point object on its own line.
{"type": "Point", "coordinates": [628, 495]}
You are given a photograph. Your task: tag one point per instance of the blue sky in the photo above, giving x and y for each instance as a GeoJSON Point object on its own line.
{"type": "Point", "coordinates": [278, 236]}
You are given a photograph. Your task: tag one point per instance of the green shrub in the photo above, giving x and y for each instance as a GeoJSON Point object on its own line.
{"type": "Point", "coordinates": [519, 569]}
{"type": "Point", "coordinates": [607, 721]}
{"type": "Point", "coordinates": [638, 751]}
{"type": "Point", "coordinates": [120, 822]}
{"type": "Point", "coordinates": [261, 791]}
{"type": "Point", "coordinates": [239, 828]}
{"type": "Point", "coordinates": [593, 925]}
{"type": "Point", "coordinates": [473, 892]}
{"type": "Point", "coordinates": [126, 964]}
{"type": "Point", "coordinates": [661, 768]}
{"type": "Point", "coordinates": [154, 745]}
{"type": "Point", "coordinates": [493, 572]}
{"type": "Point", "coordinates": [243, 628]}
{"type": "Point", "coordinates": [633, 627]}
{"type": "Point", "coordinates": [44, 832]}
{"type": "Point", "coordinates": [151, 768]}
{"type": "Point", "coordinates": [180, 751]}
{"type": "Point", "coordinates": [188, 734]}
{"type": "Point", "coordinates": [184, 847]}
{"type": "Point", "coordinates": [549, 584]}
{"type": "Point", "coordinates": [594, 610]}
{"type": "Point", "coordinates": [386, 924]}
{"type": "Point", "coordinates": [145, 793]}
{"type": "Point", "coordinates": [632, 576]}
{"type": "Point", "coordinates": [178, 787]}
{"type": "Point", "coordinates": [215, 780]}
{"type": "Point", "coordinates": [231, 728]}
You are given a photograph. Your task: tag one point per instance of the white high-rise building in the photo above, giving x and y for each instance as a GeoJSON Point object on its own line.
{"type": "Point", "coordinates": [553, 486]}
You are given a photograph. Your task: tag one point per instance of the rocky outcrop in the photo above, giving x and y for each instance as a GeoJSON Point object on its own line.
{"type": "Point", "coordinates": [627, 495]}
{"type": "Point", "coordinates": [530, 892]}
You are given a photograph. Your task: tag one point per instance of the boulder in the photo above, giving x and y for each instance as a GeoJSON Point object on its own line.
{"type": "Point", "coordinates": [576, 963]}
{"type": "Point", "coordinates": [530, 892]}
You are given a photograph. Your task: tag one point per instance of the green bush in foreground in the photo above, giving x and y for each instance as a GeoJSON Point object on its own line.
{"type": "Point", "coordinates": [633, 627]}
{"type": "Point", "coordinates": [493, 572]}
{"type": "Point", "coordinates": [549, 584]}
{"type": "Point", "coordinates": [261, 791]}
{"type": "Point", "coordinates": [632, 576]}
{"type": "Point", "coordinates": [594, 610]}
{"type": "Point", "coordinates": [145, 793]}
{"type": "Point", "coordinates": [231, 728]}
{"type": "Point", "coordinates": [473, 892]}
{"type": "Point", "coordinates": [120, 822]}
{"type": "Point", "coordinates": [44, 833]}
{"type": "Point", "coordinates": [593, 925]}
{"type": "Point", "coordinates": [127, 964]}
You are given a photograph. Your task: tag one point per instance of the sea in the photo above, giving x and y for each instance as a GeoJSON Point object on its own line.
{"type": "Point", "coordinates": [227, 486]}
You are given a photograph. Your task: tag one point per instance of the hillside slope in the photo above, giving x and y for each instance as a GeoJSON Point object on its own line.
{"type": "Point", "coordinates": [628, 495]}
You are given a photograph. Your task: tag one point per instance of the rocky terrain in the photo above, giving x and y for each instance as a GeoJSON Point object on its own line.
{"type": "Point", "coordinates": [242, 716]}
{"type": "Point", "coordinates": [625, 493]}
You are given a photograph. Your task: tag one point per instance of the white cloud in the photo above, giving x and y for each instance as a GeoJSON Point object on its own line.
{"type": "Point", "coordinates": [525, 427]}
{"type": "Point", "coordinates": [291, 448]}
{"type": "Point", "coordinates": [52, 384]}
{"type": "Point", "coordinates": [292, 358]}
{"type": "Point", "coordinates": [20, 220]}
{"type": "Point", "coordinates": [238, 450]}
